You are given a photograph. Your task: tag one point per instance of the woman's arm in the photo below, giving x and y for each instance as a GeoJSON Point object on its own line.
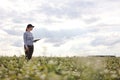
{"type": "Point", "coordinates": [25, 39]}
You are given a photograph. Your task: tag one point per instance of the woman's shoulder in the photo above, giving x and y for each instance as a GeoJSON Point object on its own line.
{"type": "Point", "coordinates": [25, 33]}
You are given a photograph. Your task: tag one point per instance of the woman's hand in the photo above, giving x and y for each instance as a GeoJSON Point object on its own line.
{"type": "Point", "coordinates": [36, 40]}
{"type": "Point", "coordinates": [26, 48]}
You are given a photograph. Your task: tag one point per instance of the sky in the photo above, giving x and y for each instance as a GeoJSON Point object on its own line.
{"type": "Point", "coordinates": [65, 27]}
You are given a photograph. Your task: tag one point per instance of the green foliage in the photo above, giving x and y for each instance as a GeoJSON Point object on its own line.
{"type": "Point", "coordinates": [60, 68]}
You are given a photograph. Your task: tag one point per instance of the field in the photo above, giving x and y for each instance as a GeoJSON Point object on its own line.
{"type": "Point", "coordinates": [60, 68]}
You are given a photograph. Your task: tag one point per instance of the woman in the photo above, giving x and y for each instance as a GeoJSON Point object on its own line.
{"type": "Point", "coordinates": [28, 42]}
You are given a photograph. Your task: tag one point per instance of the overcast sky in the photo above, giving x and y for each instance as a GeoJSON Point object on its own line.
{"type": "Point", "coordinates": [66, 27]}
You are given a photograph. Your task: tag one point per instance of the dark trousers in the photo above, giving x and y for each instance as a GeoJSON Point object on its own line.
{"type": "Point", "coordinates": [28, 53]}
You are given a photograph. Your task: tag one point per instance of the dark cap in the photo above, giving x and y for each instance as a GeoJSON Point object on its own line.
{"type": "Point", "coordinates": [30, 25]}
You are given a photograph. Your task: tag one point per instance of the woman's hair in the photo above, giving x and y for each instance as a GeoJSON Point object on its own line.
{"type": "Point", "coordinates": [26, 29]}
{"type": "Point", "coordinates": [29, 26]}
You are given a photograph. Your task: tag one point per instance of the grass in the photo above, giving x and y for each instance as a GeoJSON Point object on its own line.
{"type": "Point", "coordinates": [60, 68]}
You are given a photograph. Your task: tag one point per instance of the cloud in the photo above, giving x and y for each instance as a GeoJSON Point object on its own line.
{"type": "Point", "coordinates": [17, 43]}
{"type": "Point", "coordinates": [104, 41]}
{"type": "Point", "coordinates": [69, 9]}
{"type": "Point", "coordinates": [91, 20]}
{"type": "Point", "coordinates": [78, 27]}
{"type": "Point", "coordinates": [14, 32]}
{"type": "Point", "coordinates": [61, 36]}
{"type": "Point", "coordinates": [107, 40]}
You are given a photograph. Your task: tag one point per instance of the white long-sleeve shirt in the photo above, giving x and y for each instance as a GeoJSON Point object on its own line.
{"type": "Point", "coordinates": [28, 38]}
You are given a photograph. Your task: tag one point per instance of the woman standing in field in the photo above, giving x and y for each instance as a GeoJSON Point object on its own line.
{"type": "Point", "coordinates": [28, 42]}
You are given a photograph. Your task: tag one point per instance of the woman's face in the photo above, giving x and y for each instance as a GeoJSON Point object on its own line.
{"type": "Point", "coordinates": [30, 29]}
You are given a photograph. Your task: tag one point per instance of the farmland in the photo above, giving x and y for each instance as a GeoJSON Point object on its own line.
{"type": "Point", "coordinates": [60, 68]}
